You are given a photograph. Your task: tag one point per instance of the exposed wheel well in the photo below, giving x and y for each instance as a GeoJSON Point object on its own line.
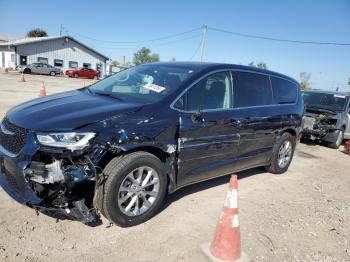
{"type": "Point", "coordinates": [290, 131]}
{"type": "Point", "coordinates": [150, 149]}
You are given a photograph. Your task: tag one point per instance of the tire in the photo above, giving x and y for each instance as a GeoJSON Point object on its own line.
{"type": "Point", "coordinates": [340, 137]}
{"type": "Point", "coordinates": [275, 166]}
{"type": "Point", "coordinates": [27, 71]}
{"type": "Point", "coordinates": [117, 172]}
{"type": "Point", "coordinates": [76, 75]}
{"type": "Point", "coordinates": [52, 73]}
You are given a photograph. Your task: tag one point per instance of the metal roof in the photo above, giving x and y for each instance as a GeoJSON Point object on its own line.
{"type": "Point", "coordinates": [30, 40]}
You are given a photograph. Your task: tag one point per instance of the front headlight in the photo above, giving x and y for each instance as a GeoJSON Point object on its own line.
{"type": "Point", "coordinates": [72, 140]}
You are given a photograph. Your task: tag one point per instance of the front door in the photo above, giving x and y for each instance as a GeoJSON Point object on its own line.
{"type": "Point", "coordinates": [209, 133]}
{"type": "Point", "coordinates": [23, 60]}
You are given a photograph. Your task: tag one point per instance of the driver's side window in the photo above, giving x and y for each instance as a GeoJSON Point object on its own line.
{"type": "Point", "coordinates": [211, 93]}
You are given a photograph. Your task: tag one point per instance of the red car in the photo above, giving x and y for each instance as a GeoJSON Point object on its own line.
{"type": "Point", "coordinates": [83, 72]}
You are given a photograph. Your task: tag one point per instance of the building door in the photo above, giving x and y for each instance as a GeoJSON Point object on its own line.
{"type": "Point", "coordinates": [23, 60]}
{"type": "Point", "coordinates": [3, 59]}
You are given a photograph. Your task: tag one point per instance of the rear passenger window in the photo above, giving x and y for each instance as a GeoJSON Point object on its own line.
{"type": "Point", "coordinates": [251, 89]}
{"type": "Point", "coordinates": [284, 91]}
{"type": "Point", "coordinates": [213, 92]}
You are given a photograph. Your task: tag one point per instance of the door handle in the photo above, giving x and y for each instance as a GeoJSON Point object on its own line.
{"type": "Point", "coordinates": [237, 123]}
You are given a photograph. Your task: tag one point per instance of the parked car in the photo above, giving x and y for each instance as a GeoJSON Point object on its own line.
{"type": "Point", "coordinates": [83, 72]}
{"type": "Point", "coordinates": [121, 144]}
{"type": "Point", "coordinates": [327, 117]}
{"type": "Point", "coordinates": [40, 68]}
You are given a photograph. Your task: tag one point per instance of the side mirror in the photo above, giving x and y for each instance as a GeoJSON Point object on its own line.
{"type": "Point", "coordinates": [197, 117]}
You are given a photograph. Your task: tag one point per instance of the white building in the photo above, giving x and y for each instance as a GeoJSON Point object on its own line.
{"type": "Point", "coordinates": [63, 52]}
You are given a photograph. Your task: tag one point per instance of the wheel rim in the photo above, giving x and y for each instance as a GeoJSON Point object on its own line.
{"type": "Point", "coordinates": [284, 154]}
{"type": "Point", "coordinates": [339, 138]}
{"type": "Point", "coordinates": [138, 191]}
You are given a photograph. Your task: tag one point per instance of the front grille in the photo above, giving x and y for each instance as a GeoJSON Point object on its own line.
{"type": "Point", "coordinates": [13, 137]}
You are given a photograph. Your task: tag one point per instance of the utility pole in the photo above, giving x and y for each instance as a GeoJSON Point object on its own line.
{"type": "Point", "coordinates": [205, 29]}
{"type": "Point", "coordinates": [61, 29]}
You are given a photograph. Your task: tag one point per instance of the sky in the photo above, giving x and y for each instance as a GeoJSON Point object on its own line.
{"type": "Point", "coordinates": [104, 24]}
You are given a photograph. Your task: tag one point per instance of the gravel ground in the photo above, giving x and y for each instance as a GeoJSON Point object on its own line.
{"type": "Point", "coordinates": [303, 215]}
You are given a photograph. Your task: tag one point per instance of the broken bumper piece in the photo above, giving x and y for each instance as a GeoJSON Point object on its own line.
{"type": "Point", "coordinates": [78, 212]}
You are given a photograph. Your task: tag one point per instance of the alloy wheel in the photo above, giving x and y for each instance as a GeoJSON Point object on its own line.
{"type": "Point", "coordinates": [138, 191]}
{"type": "Point", "coordinates": [285, 154]}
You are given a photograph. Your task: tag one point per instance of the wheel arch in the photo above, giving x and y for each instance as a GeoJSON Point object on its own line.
{"type": "Point", "coordinates": [166, 159]}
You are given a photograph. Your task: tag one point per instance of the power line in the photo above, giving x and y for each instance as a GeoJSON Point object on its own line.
{"type": "Point", "coordinates": [196, 51]}
{"type": "Point", "coordinates": [162, 44]}
{"type": "Point", "coordinates": [277, 39]}
{"type": "Point", "coordinates": [137, 42]}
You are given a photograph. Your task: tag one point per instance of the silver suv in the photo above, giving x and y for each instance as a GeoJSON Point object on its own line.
{"type": "Point", "coordinates": [40, 68]}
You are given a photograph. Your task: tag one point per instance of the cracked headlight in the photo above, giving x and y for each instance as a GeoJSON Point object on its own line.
{"type": "Point", "coordinates": [72, 140]}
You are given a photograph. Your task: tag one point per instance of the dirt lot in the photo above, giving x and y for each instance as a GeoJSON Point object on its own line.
{"type": "Point", "coordinates": [303, 215]}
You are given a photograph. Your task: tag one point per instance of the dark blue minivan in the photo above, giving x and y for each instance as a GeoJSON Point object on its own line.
{"type": "Point", "coordinates": [117, 147]}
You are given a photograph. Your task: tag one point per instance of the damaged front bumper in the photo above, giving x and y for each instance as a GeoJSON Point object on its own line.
{"type": "Point", "coordinates": [319, 128]}
{"type": "Point", "coordinates": [54, 190]}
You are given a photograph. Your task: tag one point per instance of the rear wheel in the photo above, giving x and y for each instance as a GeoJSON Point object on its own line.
{"type": "Point", "coordinates": [52, 73]}
{"type": "Point", "coordinates": [134, 189]}
{"type": "Point", "coordinates": [282, 154]}
{"type": "Point", "coordinates": [340, 136]}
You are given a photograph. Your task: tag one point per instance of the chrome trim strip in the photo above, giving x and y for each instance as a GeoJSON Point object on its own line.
{"type": "Point", "coordinates": [5, 130]}
{"type": "Point", "coordinates": [6, 152]}
{"type": "Point", "coordinates": [233, 108]}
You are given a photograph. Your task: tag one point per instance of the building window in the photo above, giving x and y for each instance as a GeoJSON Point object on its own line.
{"type": "Point", "coordinates": [99, 67]}
{"type": "Point", "coordinates": [12, 58]}
{"type": "Point", "coordinates": [43, 60]}
{"type": "Point", "coordinates": [86, 65]}
{"type": "Point", "coordinates": [73, 64]}
{"type": "Point", "coordinates": [58, 62]}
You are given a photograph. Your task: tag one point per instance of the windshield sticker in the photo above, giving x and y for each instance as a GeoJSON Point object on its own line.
{"type": "Point", "coordinates": [154, 87]}
{"type": "Point", "coordinates": [339, 96]}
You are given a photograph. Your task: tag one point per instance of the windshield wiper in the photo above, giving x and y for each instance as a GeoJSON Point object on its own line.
{"type": "Point", "coordinates": [321, 109]}
{"type": "Point", "coordinates": [108, 94]}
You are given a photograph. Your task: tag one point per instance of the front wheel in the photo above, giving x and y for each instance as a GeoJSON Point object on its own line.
{"type": "Point", "coordinates": [52, 73]}
{"type": "Point", "coordinates": [282, 154]}
{"type": "Point", "coordinates": [340, 137]}
{"type": "Point", "coordinates": [134, 189]}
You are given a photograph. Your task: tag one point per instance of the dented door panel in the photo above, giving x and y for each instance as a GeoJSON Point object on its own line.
{"type": "Point", "coordinates": [207, 148]}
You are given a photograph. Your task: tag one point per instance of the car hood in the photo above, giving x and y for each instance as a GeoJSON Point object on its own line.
{"type": "Point", "coordinates": [67, 111]}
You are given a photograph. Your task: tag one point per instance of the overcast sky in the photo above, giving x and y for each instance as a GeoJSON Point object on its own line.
{"type": "Point", "coordinates": [100, 24]}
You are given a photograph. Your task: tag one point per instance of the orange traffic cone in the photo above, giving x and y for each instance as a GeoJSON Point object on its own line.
{"type": "Point", "coordinates": [226, 245]}
{"type": "Point", "coordinates": [42, 89]}
{"type": "Point", "coordinates": [23, 78]}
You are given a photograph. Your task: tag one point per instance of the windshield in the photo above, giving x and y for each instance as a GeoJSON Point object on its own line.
{"type": "Point", "coordinates": [145, 83]}
{"type": "Point", "coordinates": [333, 102]}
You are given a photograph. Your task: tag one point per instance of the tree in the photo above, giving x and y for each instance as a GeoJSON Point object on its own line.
{"type": "Point", "coordinates": [259, 65]}
{"type": "Point", "coordinates": [37, 32]}
{"type": "Point", "coordinates": [305, 81]}
{"type": "Point", "coordinates": [115, 63]}
{"type": "Point", "coordinates": [262, 65]}
{"type": "Point", "coordinates": [144, 56]}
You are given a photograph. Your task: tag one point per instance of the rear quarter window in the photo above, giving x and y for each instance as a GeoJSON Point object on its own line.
{"type": "Point", "coordinates": [285, 92]}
